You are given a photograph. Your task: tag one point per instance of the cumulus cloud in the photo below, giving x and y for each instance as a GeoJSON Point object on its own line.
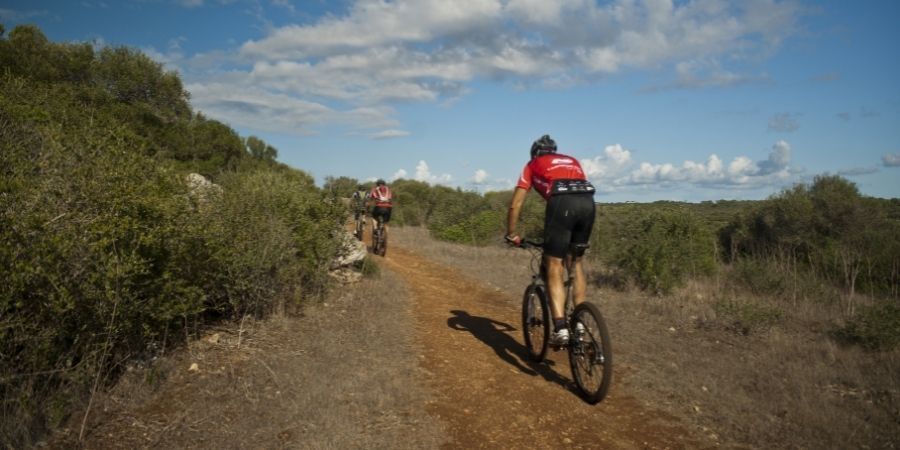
{"type": "Point", "coordinates": [423, 173]}
{"type": "Point", "coordinates": [615, 170]}
{"type": "Point", "coordinates": [778, 159]}
{"type": "Point", "coordinates": [480, 176]}
{"type": "Point", "coordinates": [607, 167]}
{"type": "Point", "coordinates": [398, 175]}
{"type": "Point", "coordinates": [891, 160]}
{"type": "Point", "coordinates": [377, 53]}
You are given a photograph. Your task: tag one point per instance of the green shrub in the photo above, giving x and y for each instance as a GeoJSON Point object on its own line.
{"type": "Point", "coordinates": [666, 248]}
{"type": "Point", "coordinates": [850, 240]}
{"type": "Point", "coordinates": [876, 327]}
{"type": "Point", "coordinates": [105, 253]}
{"type": "Point", "coordinates": [273, 235]}
{"type": "Point", "coordinates": [479, 229]}
{"type": "Point", "coordinates": [760, 276]}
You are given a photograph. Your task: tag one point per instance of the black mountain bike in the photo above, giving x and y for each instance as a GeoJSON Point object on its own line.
{"type": "Point", "coordinates": [590, 351]}
{"type": "Point", "coordinates": [379, 238]}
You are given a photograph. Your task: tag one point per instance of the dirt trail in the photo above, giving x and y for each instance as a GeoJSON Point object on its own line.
{"type": "Point", "coordinates": [489, 395]}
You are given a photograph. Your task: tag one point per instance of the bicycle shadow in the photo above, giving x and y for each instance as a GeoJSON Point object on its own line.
{"type": "Point", "coordinates": [495, 335]}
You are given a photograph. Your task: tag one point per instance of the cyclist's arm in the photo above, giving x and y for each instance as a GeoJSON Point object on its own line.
{"type": "Point", "coordinates": [515, 208]}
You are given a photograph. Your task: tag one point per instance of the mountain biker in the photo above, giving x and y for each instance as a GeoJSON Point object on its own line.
{"type": "Point", "coordinates": [358, 202]}
{"type": "Point", "coordinates": [383, 198]}
{"type": "Point", "coordinates": [568, 219]}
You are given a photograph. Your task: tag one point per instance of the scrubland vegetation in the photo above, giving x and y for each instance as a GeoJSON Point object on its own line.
{"type": "Point", "coordinates": [108, 253]}
{"type": "Point", "coordinates": [822, 242]}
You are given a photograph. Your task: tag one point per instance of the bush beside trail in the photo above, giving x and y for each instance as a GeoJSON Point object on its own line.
{"type": "Point", "coordinates": [108, 254]}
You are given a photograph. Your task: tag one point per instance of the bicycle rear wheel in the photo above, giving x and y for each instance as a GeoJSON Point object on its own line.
{"type": "Point", "coordinates": [536, 322]}
{"type": "Point", "coordinates": [590, 353]}
{"type": "Point", "coordinates": [383, 246]}
{"type": "Point", "coordinates": [379, 241]}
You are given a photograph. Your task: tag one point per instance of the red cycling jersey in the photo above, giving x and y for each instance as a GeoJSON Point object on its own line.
{"type": "Point", "coordinates": [382, 196]}
{"type": "Point", "coordinates": [545, 169]}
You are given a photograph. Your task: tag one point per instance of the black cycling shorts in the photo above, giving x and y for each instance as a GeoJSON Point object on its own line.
{"type": "Point", "coordinates": [568, 220]}
{"type": "Point", "coordinates": [383, 211]}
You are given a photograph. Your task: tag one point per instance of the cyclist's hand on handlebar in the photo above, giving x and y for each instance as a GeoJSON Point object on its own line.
{"type": "Point", "coordinates": [514, 240]}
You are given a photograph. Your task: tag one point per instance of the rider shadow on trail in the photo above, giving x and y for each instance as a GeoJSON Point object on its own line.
{"type": "Point", "coordinates": [495, 335]}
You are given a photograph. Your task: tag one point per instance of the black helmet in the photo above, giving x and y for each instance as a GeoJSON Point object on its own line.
{"type": "Point", "coordinates": [380, 182]}
{"type": "Point", "coordinates": [543, 146]}
{"type": "Point", "coordinates": [360, 187]}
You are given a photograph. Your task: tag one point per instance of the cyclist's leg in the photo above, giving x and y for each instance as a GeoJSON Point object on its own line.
{"type": "Point", "coordinates": [386, 217]}
{"type": "Point", "coordinates": [557, 235]}
{"type": "Point", "coordinates": [375, 216]}
{"type": "Point", "coordinates": [555, 286]}
{"type": "Point", "coordinates": [579, 289]}
{"type": "Point", "coordinates": [584, 210]}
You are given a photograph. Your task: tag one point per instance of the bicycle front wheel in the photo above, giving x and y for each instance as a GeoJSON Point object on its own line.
{"type": "Point", "coordinates": [536, 322]}
{"type": "Point", "coordinates": [590, 352]}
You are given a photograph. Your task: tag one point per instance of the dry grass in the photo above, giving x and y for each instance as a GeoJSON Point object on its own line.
{"type": "Point", "coordinates": [754, 371]}
{"type": "Point", "coordinates": [344, 375]}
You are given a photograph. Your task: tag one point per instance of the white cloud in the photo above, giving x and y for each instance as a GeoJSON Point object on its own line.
{"type": "Point", "coordinates": [389, 134]}
{"type": "Point", "coordinates": [381, 52]}
{"type": "Point", "coordinates": [260, 109]}
{"type": "Point", "coordinates": [609, 166]}
{"type": "Point", "coordinates": [615, 170]}
{"type": "Point", "coordinates": [398, 174]}
{"type": "Point", "coordinates": [423, 173]}
{"type": "Point", "coordinates": [480, 176]}
{"type": "Point", "coordinates": [891, 160]}
{"type": "Point", "coordinates": [778, 160]}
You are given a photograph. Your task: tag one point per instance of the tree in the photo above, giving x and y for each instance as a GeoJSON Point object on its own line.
{"type": "Point", "coordinates": [259, 149]}
{"type": "Point", "coordinates": [214, 145]}
{"type": "Point", "coordinates": [340, 186]}
{"type": "Point", "coordinates": [132, 77]}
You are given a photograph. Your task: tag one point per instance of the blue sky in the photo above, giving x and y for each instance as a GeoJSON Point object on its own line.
{"type": "Point", "coordinates": [659, 99]}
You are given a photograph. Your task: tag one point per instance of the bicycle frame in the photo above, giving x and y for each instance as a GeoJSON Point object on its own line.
{"type": "Point", "coordinates": [538, 275]}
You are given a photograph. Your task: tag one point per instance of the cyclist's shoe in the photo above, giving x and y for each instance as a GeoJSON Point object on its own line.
{"type": "Point", "coordinates": [559, 338]}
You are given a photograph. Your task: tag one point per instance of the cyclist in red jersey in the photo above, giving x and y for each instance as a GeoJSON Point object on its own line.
{"type": "Point", "coordinates": [383, 198]}
{"type": "Point", "coordinates": [568, 220]}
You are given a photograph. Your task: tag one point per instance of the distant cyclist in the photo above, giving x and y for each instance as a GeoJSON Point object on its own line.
{"type": "Point", "coordinates": [383, 198]}
{"type": "Point", "coordinates": [358, 202]}
{"type": "Point", "coordinates": [568, 219]}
